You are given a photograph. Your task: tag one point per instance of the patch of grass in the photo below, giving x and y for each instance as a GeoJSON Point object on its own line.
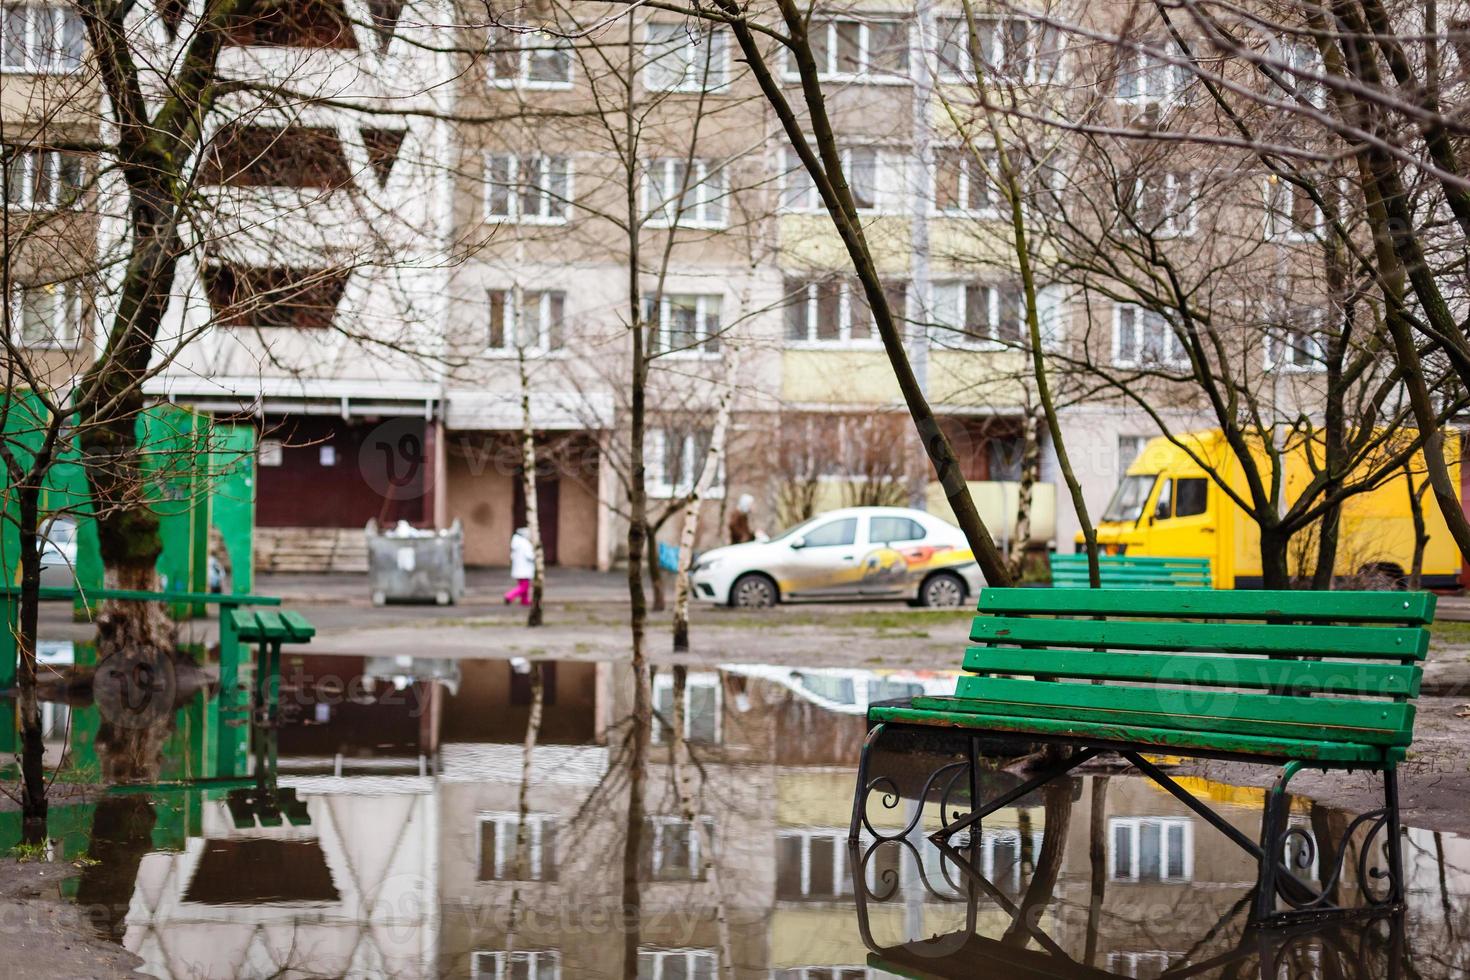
{"type": "Point", "coordinates": [1450, 633]}
{"type": "Point", "coordinates": [24, 852]}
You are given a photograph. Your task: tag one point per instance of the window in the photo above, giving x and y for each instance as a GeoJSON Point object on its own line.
{"type": "Point", "coordinates": [299, 24]}
{"type": "Point", "coordinates": [861, 51]}
{"type": "Point", "coordinates": [684, 192]}
{"type": "Point", "coordinates": [1164, 505]}
{"type": "Point", "coordinates": [1016, 48]}
{"type": "Point", "coordinates": [677, 964]}
{"type": "Point", "coordinates": [703, 704]}
{"type": "Point", "coordinates": [1300, 63]}
{"type": "Point", "coordinates": [891, 529]}
{"type": "Point", "coordinates": [274, 156]}
{"type": "Point", "coordinates": [674, 457]}
{"type": "Point", "coordinates": [962, 185]}
{"type": "Point", "coordinates": [833, 310]}
{"type": "Point", "coordinates": [1191, 496]}
{"type": "Point", "coordinates": [1146, 76]}
{"type": "Point", "coordinates": [1297, 347]}
{"type": "Point", "coordinates": [684, 324]}
{"type": "Point", "coordinates": [539, 964]}
{"type": "Point", "coordinates": [1164, 203]}
{"type": "Point", "coordinates": [832, 534]}
{"type": "Point", "coordinates": [1143, 338]}
{"type": "Point", "coordinates": [676, 848]}
{"type": "Point", "coordinates": [976, 315]}
{"type": "Point", "coordinates": [497, 859]}
{"type": "Point", "coordinates": [812, 865]}
{"type": "Point", "coordinates": [1291, 214]}
{"type": "Point", "coordinates": [534, 323]}
{"type": "Point", "coordinates": [47, 315]}
{"type": "Point", "coordinates": [529, 188]}
{"type": "Point", "coordinates": [43, 180]}
{"type": "Point", "coordinates": [1154, 963]}
{"type": "Point", "coordinates": [685, 58]}
{"type": "Point", "coordinates": [1129, 449]}
{"type": "Point", "coordinates": [529, 58]}
{"type": "Point", "coordinates": [1150, 849]}
{"type": "Point", "coordinates": [875, 179]}
{"type": "Point", "coordinates": [40, 37]}
{"type": "Point", "coordinates": [272, 296]}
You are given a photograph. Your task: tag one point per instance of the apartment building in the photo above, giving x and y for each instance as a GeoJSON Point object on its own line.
{"type": "Point", "coordinates": [447, 209]}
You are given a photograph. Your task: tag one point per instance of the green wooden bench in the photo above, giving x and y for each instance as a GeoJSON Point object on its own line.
{"type": "Point", "coordinates": [1298, 679]}
{"type": "Point", "coordinates": [1132, 572]}
{"type": "Point", "coordinates": [267, 630]}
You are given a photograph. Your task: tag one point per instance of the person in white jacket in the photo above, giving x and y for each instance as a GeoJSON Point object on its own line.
{"type": "Point", "coordinates": [522, 566]}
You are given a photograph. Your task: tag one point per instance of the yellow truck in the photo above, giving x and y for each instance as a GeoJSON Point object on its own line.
{"type": "Point", "coordinates": [1167, 506]}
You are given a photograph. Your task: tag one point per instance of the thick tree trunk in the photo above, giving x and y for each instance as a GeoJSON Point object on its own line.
{"type": "Point", "coordinates": [528, 479]}
{"type": "Point", "coordinates": [1275, 568]}
{"type": "Point", "coordinates": [655, 570]}
{"type": "Point", "coordinates": [1421, 530]}
{"type": "Point", "coordinates": [1042, 887]}
{"type": "Point", "coordinates": [707, 476]}
{"type": "Point", "coordinates": [33, 748]}
{"type": "Point", "coordinates": [1030, 471]}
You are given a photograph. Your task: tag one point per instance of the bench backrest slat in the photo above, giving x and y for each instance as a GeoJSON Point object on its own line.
{"type": "Point", "coordinates": [1311, 640]}
{"type": "Point", "coordinates": [1336, 607]}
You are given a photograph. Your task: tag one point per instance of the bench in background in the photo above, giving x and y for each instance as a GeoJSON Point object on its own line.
{"type": "Point", "coordinates": [1123, 571]}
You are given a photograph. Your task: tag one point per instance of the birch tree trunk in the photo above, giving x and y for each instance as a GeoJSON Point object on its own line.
{"type": "Point", "coordinates": [523, 804]}
{"type": "Point", "coordinates": [1030, 470]}
{"type": "Point", "coordinates": [528, 478]}
{"type": "Point", "coordinates": [707, 476]}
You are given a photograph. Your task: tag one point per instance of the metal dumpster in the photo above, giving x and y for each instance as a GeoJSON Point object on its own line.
{"type": "Point", "coordinates": [409, 564]}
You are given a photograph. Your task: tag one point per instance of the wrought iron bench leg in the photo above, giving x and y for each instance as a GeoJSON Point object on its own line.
{"type": "Point", "coordinates": [1273, 825]}
{"type": "Point", "coordinates": [1395, 839]}
{"type": "Point", "coordinates": [860, 795]}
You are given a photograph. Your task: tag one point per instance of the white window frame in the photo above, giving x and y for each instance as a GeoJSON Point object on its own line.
{"type": "Point", "coordinates": [706, 191]}
{"type": "Point", "coordinates": [953, 336]}
{"type": "Point", "coordinates": [655, 446]}
{"type": "Point", "coordinates": [687, 56]}
{"type": "Point", "coordinates": [1146, 63]}
{"type": "Point", "coordinates": [1175, 182]}
{"type": "Point", "coordinates": [1311, 332]}
{"type": "Point", "coordinates": [1125, 458]}
{"type": "Point", "coordinates": [1281, 222]}
{"type": "Point", "coordinates": [505, 837]}
{"type": "Point", "coordinates": [1296, 57]}
{"type": "Point", "coordinates": [706, 306]}
{"type": "Point", "coordinates": [846, 308]}
{"type": "Point", "coordinates": [799, 193]}
{"type": "Point", "coordinates": [664, 681]}
{"type": "Point", "coordinates": [541, 964]}
{"type": "Point", "coordinates": [1128, 963]}
{"type": "Point", "coordinates": [512, 307]}
{"type": "Point", "coordinates": [1175, 356]}
{"type": "Point", "coordinates": [67, 335]}
{"type": "Point", "coordinates": [522, 78]}
{"type": "Point", "coordinates": [658, 825]}
{"type": "Point", "coordinates": [28, 161]}
{"type": "Point", "coordinates": [866, 73]}
{"type": "Point", "coordinates": [970, 170]}
{"type": "Point", "coordinates": [841, 875]}
{"type": "Point", "coordinates": [1134, 826]}
{"type": "Point", "coordinates": [965, 71]}
{"type": "Point", "coordinates": [33, 60]}
{"type": "Point", "coordinates": [542, 164]}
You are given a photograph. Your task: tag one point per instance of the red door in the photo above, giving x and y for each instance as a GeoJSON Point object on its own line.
{"type": "Point", "coordinates": [548, 494]}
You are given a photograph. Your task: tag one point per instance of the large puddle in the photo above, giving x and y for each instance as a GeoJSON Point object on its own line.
{"type": "Point", "coordinates": [407, 841]}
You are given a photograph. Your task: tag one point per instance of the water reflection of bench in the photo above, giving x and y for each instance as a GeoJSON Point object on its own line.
{"type": "Point", "coordinates": [243, 623]}
{"type": "Point", "coordinates": [1299, 679]}
{"type": "Point", "coordinates": [1350, 953]}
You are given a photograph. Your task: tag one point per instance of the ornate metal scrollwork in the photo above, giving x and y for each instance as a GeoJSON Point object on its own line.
{"type": "Point", "coordinates": [891, 797]}
{"type": "Point", "coordinates": [1302, 896]}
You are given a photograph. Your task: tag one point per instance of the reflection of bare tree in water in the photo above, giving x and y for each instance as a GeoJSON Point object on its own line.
{"type": "Point", "coordinates": [1097, 858]}
{"type": "Point", "coordinates": [523, 804]}
{"type": "Point", "coordinates": [122, 833]}
{"type": "Point", "coordinates": [137, 697]}
{"type": "Point", "coordinates": [1039, 891]}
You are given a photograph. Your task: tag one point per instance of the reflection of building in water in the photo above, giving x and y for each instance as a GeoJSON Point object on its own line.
{"type": "Point", "coordinates": [416, 877]}
{"type": "Point", "coordinates": [352, 894]}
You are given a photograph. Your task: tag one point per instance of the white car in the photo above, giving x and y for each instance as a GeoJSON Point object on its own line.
{"type": "Point", "coordinates": [853, 553]}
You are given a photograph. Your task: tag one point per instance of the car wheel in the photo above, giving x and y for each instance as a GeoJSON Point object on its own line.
{"type": "Point", "coordinates": [753, 591]}
{"type": "Point", "coordinates": [942, 591]}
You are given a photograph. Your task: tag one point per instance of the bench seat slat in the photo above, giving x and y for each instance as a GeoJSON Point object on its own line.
{"type": "Point", "coordinates": [243, 622]}
{"type": "Point", "coordinates": [955, 713]}
{"type": "Point", "coordinates": [1341, 607]}
{"type": "Point", "coordinates": [1385, 680]}
{"type": "Point", "coordinates": [1313, 719]}
{"type": "Point", "coordinates": [1311, 640]}
{"type": "Point", "coordinates": [270, 625]}
{"type": "Point", "coordinates": [299, 626]}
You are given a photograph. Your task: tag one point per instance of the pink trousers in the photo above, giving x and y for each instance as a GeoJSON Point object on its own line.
{"type": "Point", "coordinates": [522, 591]}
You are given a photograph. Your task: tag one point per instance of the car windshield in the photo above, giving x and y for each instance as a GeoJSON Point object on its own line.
{"type": "Point", "coordinates": [1129, 498]}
